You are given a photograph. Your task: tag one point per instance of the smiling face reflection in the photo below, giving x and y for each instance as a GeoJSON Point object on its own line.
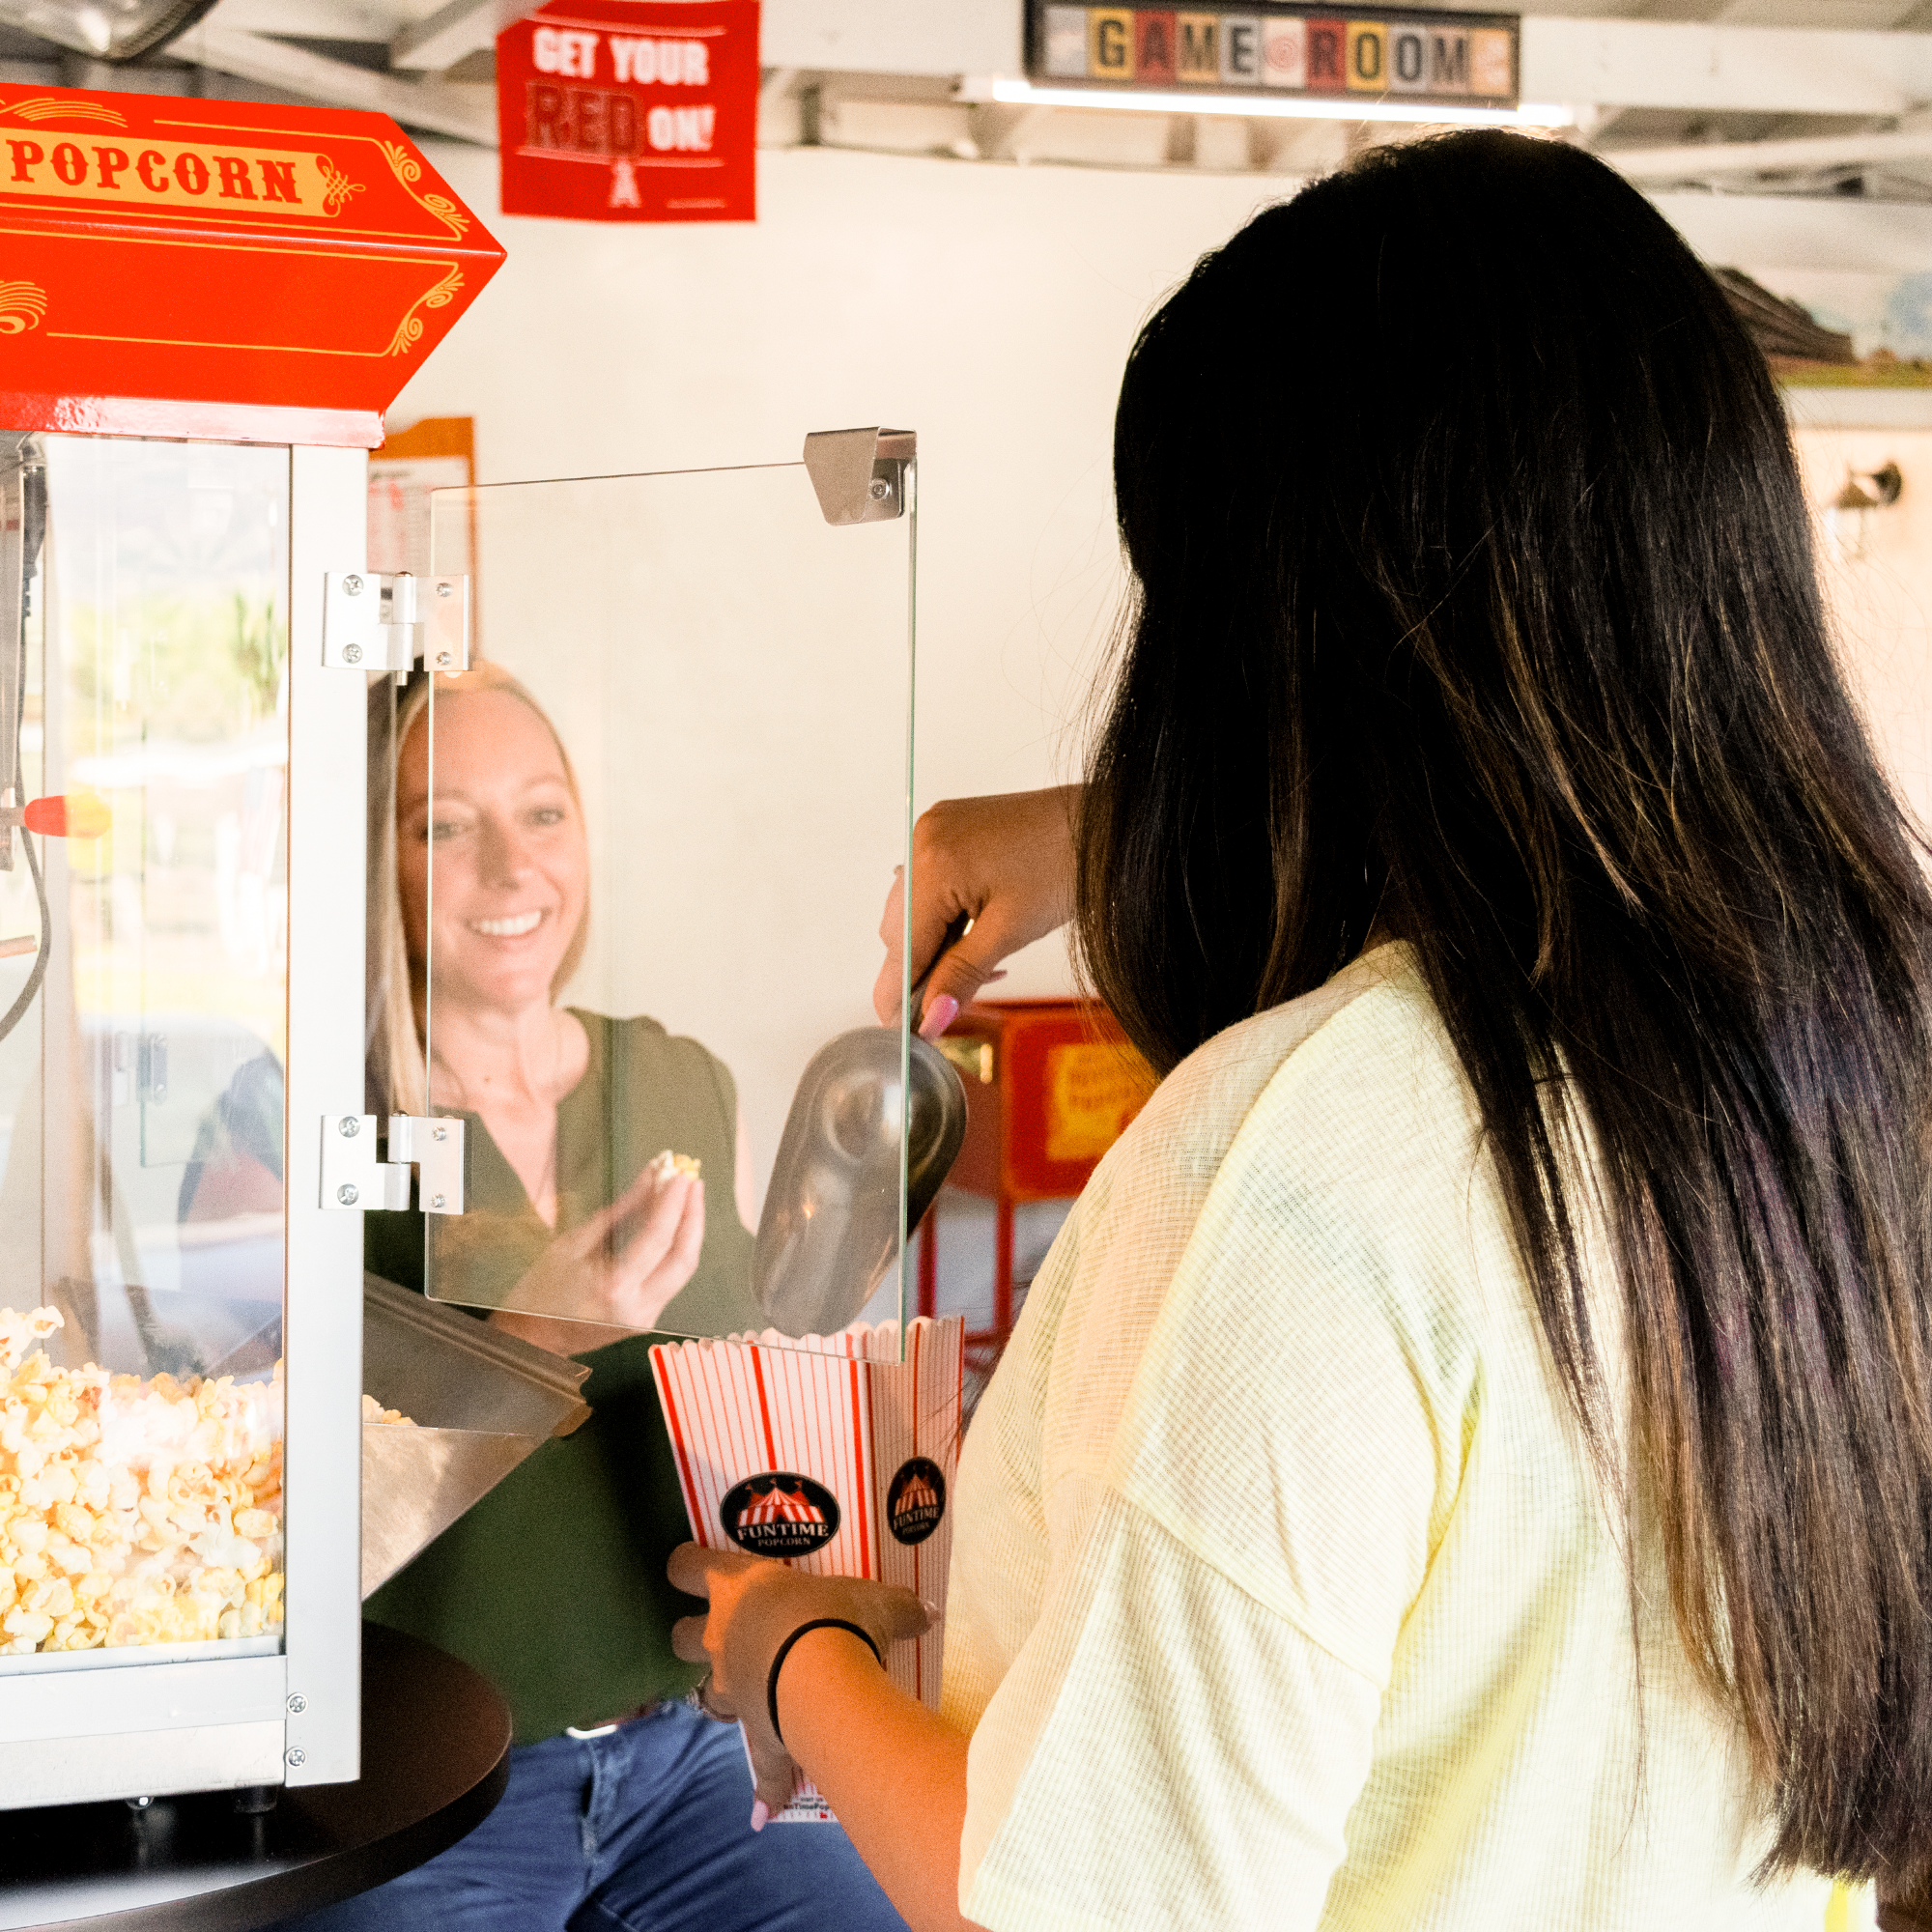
{"type": "Point", "coordinates": [507, 839]}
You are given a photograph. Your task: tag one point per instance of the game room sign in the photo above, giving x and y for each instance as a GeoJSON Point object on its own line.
{"type": "Point", "coordinates": [1462, 60]}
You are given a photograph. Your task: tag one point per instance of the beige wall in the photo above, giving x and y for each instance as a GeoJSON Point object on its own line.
{"type": "Point", "coordinates": [1882, 603]}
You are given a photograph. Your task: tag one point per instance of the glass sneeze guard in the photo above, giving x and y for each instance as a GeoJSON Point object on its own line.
{"type": "Point", "coordinates": [639, 849]}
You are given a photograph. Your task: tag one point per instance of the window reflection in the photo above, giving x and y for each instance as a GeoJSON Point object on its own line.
{"type": "Point", "coordinates": [141, 1096]}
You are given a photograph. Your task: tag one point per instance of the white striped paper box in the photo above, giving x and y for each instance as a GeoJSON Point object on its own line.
{"type": "Point", "coordinates": [759, 1423]}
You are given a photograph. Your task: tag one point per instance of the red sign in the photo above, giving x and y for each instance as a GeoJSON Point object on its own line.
{"type": "Point", "coordinates": [631, 110]}
{"type": "Point", "coordinates": [219, 267]}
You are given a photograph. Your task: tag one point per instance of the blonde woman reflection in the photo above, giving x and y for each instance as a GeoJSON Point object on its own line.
{"type": "Point", "coordinates": [574, 1217]}
{"type": "Point", "coordinates": [624, 1806]}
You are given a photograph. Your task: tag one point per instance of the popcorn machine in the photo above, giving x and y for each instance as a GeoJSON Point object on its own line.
{"type": "Point", "coordinates": [204, 309]}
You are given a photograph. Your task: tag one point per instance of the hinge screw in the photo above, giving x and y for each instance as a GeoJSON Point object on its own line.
{"type": "Point", "coordinates": [439, 1133]}
{"type": "Point", "coordinates": [349, 1127]}
{"type": "Point", "coordinates": [445, 590]}
{"type": "Point", "coordinates": [352, 654]}
{"type": "Point", "coordinates": [352, 587]}
{"type": "Point", "coordinates": [297, 1704]}
{"type": "Point", "coordinates": [296, 1758]}
{"type": "Point", "coordinates": [881, 489]}
{"type": "Point", "coordinates": [346, 1194]}
{"type": "Point", "coordinates": [436, 1201]}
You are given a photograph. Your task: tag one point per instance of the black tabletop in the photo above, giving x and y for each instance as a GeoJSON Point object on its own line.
{"type": "Point", "coordinates": [436, 1758]}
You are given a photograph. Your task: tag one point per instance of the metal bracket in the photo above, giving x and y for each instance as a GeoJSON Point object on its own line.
{"type": "Point", "coordinates": [438, 1148]}
{"type": "Point", "coordinates": [372, 622]}
{"type": "Point", "coordinates": [861, 475]}
{"type": "Point", "coordinates": [352, 1177]}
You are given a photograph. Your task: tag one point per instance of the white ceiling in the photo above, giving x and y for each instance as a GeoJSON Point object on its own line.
{"type": "Point", "coordinates": [1804, 97]}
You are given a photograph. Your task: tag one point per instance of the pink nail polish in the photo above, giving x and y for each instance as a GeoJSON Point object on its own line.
{"type": "Point", "coordinates": [939, 1015]}
{"type": "Point", "coordinates": [761, 1817]}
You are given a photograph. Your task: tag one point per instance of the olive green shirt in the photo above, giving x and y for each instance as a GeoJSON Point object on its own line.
{"type": "Point", "coordinates": [554, 1585]}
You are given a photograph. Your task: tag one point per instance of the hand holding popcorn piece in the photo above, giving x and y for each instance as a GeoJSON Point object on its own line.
{"type": "Point", "coordinates": [622, 1265]}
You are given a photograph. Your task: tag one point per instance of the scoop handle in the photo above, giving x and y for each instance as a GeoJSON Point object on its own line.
{"type": "Point", "coordinates": [951, 938]}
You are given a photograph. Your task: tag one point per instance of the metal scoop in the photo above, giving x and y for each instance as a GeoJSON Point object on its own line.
{"type": "Point", "coordinates": [829, 1229]}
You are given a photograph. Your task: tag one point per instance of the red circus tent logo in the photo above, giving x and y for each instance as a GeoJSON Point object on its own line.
{"type": "Point", "coordinates": [783, 1506]}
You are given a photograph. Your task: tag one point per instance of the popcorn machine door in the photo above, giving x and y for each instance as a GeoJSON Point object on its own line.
{"type": "Point", "coordinates": [638, 852]}
{"type": "Point", "coordinates": [144, 751]}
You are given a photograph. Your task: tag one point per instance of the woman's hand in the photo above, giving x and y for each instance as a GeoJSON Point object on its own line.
{"type": "Point", "coordinates": [621, 1267]}
{"type": "Point", "coordinates": [756, 1604]}
{"type": "Point", "coordinates": [1007, 862]}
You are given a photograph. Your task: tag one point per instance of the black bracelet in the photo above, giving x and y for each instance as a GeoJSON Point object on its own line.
{"type": "Point", "coordinates": [865, 1636]}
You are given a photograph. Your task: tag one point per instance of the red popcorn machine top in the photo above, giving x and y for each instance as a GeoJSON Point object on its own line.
{"type": "Point", "coordinates": [204, 309]}
{"type": "Point", "coordinates": [220, 270]}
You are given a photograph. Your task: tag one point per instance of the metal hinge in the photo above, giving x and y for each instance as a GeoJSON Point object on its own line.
{"type": "Point", "coordinates": [372, 622]}
{"type": "Point", "coordinates": [352, 1176]}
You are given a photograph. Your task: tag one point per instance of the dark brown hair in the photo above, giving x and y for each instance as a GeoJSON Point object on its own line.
{"type": "Point", "coordinates": [1474, 594]}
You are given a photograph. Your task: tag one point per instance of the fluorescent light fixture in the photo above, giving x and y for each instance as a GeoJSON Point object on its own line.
{"type": "Point", "coordinates": [1283, 108]}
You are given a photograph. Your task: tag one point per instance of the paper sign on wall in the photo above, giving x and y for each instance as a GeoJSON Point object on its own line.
{"type": "Point", "coordinates": [631, 110]}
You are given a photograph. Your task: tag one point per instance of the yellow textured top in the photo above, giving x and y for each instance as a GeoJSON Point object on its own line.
{"type": "Point", "coordinates": [1281, 1594]}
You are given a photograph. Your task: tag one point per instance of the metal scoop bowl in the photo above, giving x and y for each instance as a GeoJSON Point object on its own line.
{"type": "Point", "coordinates": [829, 1229]}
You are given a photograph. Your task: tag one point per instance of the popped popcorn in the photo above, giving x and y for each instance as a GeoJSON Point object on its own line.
{"type": "Point", "coordinates": [665, 1164]}
{"type": "Point", "coordinates": [17, 1331]}
{"type": "Point", "coordinates": [374, 1412]}
{"type": "Point", "coordinates": [135, 1511]}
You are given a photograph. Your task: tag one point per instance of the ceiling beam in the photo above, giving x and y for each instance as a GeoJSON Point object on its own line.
{"type": "Point", "coordinates": [308, 19]}
{"type": "Point", "coordinates": [1694, 65]}
{"type": "Point", "coordinates": [469, 113]}
{"type": "Point", "coordinates": [934, 36]}
{"type": "Point", "coordinates": [946, 37]}
{"type": "Point", "coordinates": [1699, 161]}
{"type": "Point", "coordinates": [457, 29]}
{"type": "Point", "coordinates": [1767, 232]}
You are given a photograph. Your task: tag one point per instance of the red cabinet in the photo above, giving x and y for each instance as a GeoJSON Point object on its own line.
{"type": "Point", "coordinates": [1050, 1087]}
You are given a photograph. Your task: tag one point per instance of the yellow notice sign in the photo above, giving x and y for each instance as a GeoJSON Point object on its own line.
{"type": "Point", "coordinates": [1093, 1089]}
{"type": "Point", "coordinates": [125, 172]}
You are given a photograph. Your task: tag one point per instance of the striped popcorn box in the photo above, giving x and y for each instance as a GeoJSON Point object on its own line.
{"type": "Point", "coordinates": [834, 1453]}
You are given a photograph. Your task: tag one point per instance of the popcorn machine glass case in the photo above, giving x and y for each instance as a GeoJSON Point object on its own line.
{"type": "Point", "coordinates": [144, 712]}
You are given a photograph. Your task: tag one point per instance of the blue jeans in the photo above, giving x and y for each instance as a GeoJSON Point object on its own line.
{"type": "Point", "coordinates": [647, 1829]}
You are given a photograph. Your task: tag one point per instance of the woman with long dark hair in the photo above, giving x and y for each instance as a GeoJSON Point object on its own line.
{"type": "Point", "coordinates": [1468, 1460]}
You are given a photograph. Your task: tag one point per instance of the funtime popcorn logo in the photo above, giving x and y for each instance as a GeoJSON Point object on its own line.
{"type": "Point", "coordinates": [780, 1514]}
{"type": "Point", "coordinates": [916, 1500]}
